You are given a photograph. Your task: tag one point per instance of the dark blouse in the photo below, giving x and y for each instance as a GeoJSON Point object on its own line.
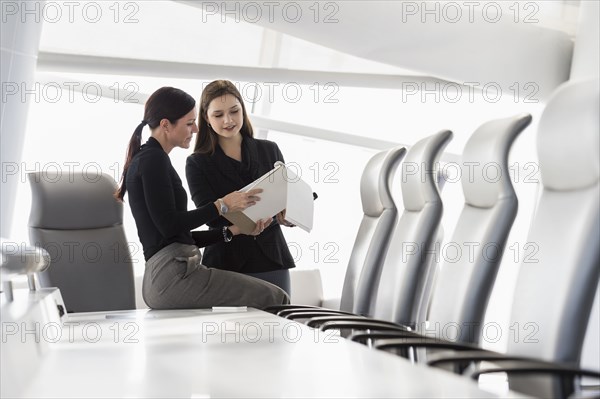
{"type": "Point", "coordinates": [158, 203]}
{"type": "Point", "coordinates": [212, 176]}
{"type": "Point", "coordinates": [242, 168]}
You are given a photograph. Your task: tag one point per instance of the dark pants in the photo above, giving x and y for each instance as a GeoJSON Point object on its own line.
{"type": "Point", "coordinates": [280, 278]}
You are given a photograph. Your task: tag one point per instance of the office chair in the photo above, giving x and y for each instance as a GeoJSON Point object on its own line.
{"type": "Point", "coordinates": [555, 289]}
{"type": "Point", "coordinates": [372, 238]}
{"type": "Point", "coordinates": [78, 221]}
{"type": "Point", "coordinates": [463, 285]}
{"type": "Point", "coordinates": [408, 265]}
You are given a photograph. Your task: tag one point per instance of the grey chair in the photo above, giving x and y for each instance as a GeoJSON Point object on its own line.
{"type": "Point", "coordinates": [372, 239]}
{"type": "Point", "coordinates": [406, 275]}
{"type": "Point", "coordinates": [464, 284]}
{"type": "Point", "coordinates": [75, 217]}
{"type": "Point", "coordinates": [555, 288]}
{"type": "Point", "coordinates": [408, 267]}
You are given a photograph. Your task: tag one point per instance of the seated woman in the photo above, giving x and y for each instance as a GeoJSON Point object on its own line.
{"type": "Point", "coordinates": [226, 158]}
{"type": "Point", "coordinates": [174, 277]}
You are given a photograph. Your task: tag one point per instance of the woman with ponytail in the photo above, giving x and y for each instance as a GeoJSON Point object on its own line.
{"type": "Point", "coordinates": [175, 277]}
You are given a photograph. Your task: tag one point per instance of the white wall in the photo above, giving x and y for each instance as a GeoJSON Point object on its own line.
{"type": "Point", "coordinates": [20, 34]}
{"type": "Point", "coordinates": [586, 64]}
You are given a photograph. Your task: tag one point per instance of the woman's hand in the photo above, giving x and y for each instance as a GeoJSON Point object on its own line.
{"type": "Point", "coordinates": [281, 219]}
{"type": "Point", "coordinates": [261, 224]}
{"type": "Point", "coordinates": [237, 201]}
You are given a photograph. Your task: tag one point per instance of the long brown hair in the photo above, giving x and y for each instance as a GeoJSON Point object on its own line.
{"type": "Point", "coordinates": [165, 103]}
{"type": "Point", "coordinates": [207, 138]}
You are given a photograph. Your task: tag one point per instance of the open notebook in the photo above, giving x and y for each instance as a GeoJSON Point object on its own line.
{"type": "Point", "coordinates": [282, 189]}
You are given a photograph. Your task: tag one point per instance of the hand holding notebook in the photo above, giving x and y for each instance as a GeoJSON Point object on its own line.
{"type": "Point", "coordinates": [282, 189]}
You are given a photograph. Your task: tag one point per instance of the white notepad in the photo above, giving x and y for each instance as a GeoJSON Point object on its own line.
{"type": "Point", "coordinates": [282, 189]}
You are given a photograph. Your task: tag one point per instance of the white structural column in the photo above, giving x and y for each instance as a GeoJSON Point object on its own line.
{"type": "Point", "coordinates": [21, 29]}
{"type": "Point", "coordinates": [586, 64]}
{"type": "Point", "coordinates": [586, 54]}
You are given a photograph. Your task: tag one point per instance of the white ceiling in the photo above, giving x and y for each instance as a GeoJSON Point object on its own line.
{"type": "Point", "coordinates": [489, 43]}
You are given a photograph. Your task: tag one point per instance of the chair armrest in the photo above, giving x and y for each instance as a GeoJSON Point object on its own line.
{"type": "Point", "coordinates": [465, 357]}
{"type": "Point", "coordinates": [314, 314]}
{"type": "Point", "coordinates": [530, 366]}
{"type": "Point", "coordinates": [318, 321]}
{"type": "Point", "coordinates": [361, 324]}
{"type": "Point", "coordinates": [286, 312]}
{"type": "Point", "coordinates": [563, 373]}
{"type": "Point", "coordinates": [382, 332]}
{"type": "Point", "coordinates": [423, 342]}
{"type": "Point", "coordinates": [276, 308]}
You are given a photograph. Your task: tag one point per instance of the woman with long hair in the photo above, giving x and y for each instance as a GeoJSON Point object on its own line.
{"type": "Point", "coordinates": [226, 158]}
{"type": "Point", "coordinates": [174, 276]}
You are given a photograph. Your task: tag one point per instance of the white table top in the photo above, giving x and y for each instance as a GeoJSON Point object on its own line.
{"type": "Point", "coordinates": [205, 353]}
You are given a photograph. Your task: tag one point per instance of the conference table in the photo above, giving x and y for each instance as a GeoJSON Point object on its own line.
{"type": "Point", "coordinates": [224, 352]}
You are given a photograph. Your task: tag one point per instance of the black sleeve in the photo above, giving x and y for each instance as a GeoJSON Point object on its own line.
{"type": "Point", "coordinates": [278, 153]}
{"type": "Point", "coordinates": [160, 199]}
{"type": "Point", "coordinates": [204, 238]}
{"type": "Point", "coordinates": [200, 190]}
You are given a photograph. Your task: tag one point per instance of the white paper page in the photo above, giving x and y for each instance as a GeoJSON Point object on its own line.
{"type": "Point", "coordinates": [282, 189]}
{"type": "Point", "coordinates": [277, 167]}
{"type": "Point", "coordinates": [272, 199]}
{"type": "Point", "coordinates": [300, 205]}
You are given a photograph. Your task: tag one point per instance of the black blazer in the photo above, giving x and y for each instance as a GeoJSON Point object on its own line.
{"type": "Point", "coordinates": [213, 176]}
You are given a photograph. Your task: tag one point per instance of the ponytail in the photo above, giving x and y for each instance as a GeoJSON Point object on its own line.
{"type": "Point", "coordinates": [134, 147]}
